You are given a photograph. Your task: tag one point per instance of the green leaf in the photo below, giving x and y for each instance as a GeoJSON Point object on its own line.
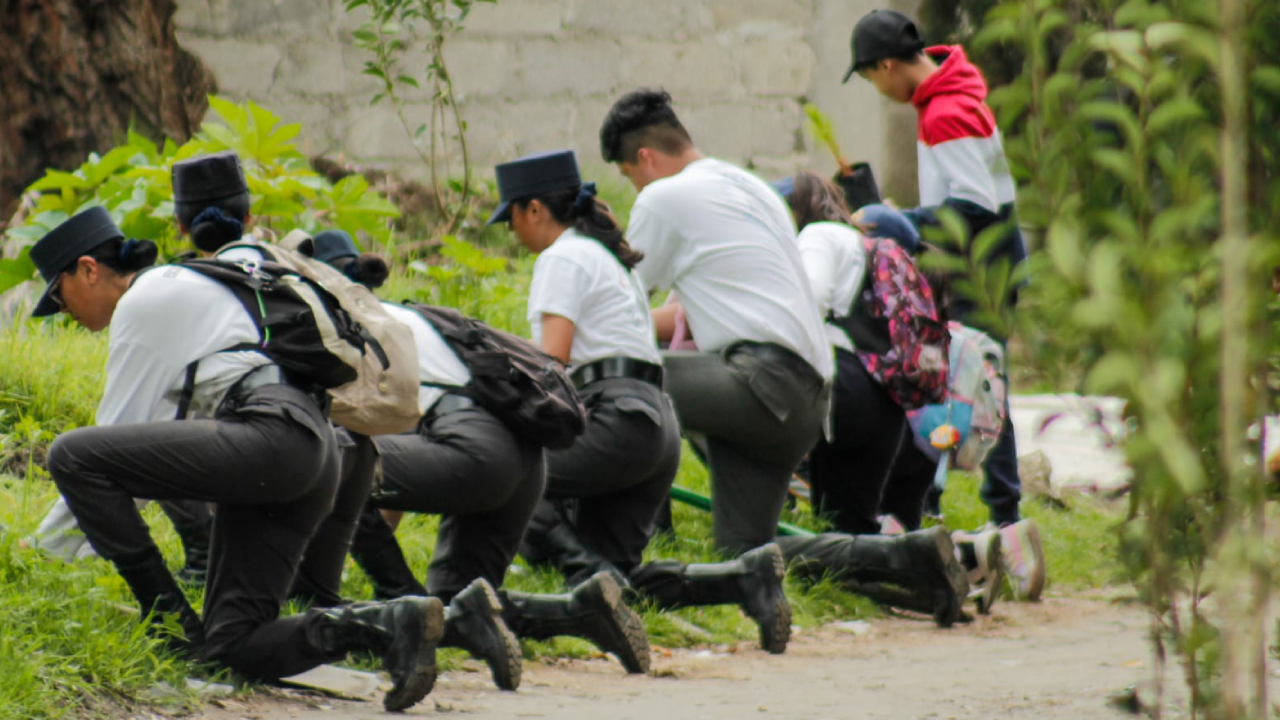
{"type": "Point", "coordinates": [16, 271]}
{"type": "Point", "coordinates": [1199, 42]}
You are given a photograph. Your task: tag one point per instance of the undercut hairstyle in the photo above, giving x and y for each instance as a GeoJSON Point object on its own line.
{"type": "Point", "coordinates": [642, 118]}
{"type": "Point", "coordinates": [210, 235]}
{"type": "Point", "coordinates": [590, 217]}
{"type": "Point", "coordinates": [816, 199]}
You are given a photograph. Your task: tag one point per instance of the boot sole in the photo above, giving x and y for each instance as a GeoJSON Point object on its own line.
{"type": "Point", "coordinates": [947, 605]}
{"type": "Point", "coordinates": [775, 622]}
{"type": "Point", "coordinates": [423, 678]}
{"type": "Point", "coordinates": [628, 641]}
{"type": "Point", "coordinates": [504, 659]}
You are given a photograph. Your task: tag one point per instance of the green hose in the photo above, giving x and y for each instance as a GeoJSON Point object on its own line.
{"type": "Point", "coordinates": [702, 502]}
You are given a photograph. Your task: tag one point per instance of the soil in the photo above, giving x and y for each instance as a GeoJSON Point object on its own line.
{"type": "Point", "coordinates": [1059, 658]}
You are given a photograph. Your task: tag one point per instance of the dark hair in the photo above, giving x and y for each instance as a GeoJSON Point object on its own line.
{"type": "Point", "coordinates": [589, 215]}
{"type": "Point", "coordinates": [910, 57]}
{"type": "Point", "coordinates": [122, 256]}
{"type": "Point", "coordinates": [816, 199]}
{"type": "Point", "coordinates": [215, 224]}
{"type": "Point", "coordinates": [641, 118]}
{"type": "Point", "coordinates": [367, 269]}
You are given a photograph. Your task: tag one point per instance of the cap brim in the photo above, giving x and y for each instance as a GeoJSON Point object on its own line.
{"type": "Point", "coordinates": [46, 306]}
{"type": "Point", "coordinates": [500, 214]}
{"type": "Point", "coordinates": [853, 67]}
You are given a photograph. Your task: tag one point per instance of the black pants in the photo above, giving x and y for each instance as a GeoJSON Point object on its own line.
{"type": "Point", "coordinates": [909, 486]}
{"type": "Point", "coordinates": [760, 409]}
{"type": "Point", "coordinates": [485, 482]}
{"type": "Point", "coordinates": [319, 578]}
{"type": "Point", "coordinates": [619, 470]}
{"type": "Point", "coordinates": [850, 475]}
{"type": "Point", "coordinates": [270, 465]}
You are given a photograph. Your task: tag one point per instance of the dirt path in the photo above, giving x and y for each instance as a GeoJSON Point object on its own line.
{"type": "Point", "coordinates": [1060, 658]}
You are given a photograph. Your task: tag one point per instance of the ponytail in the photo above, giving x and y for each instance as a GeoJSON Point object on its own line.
{"type": "Point", "coordinates": [123, 257]}
{"type": "Point", "coordinates": [579, 208]}
{"type": "Point", "coordinates": [367, 269]}
{"type": "Point", "coordinates": [212, 226]}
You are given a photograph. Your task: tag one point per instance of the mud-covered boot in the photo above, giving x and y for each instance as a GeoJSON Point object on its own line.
{"type": "Point", "coordinates": [915, 571]}
{"type": "Point", "coordinates": [594, 611]}
{"type": "Point", "coordinates": [403, 632]}
{"type": "Point", "coordinates": [160, 597]}
{"type": "Point", "coordinates": [376, 551]}
{"type": "Point", "coordinates": [473, 622]}
{"type": "Point", "coordinates": [753, 582]}
{"type": "Point", "coordinates": [550, 539]}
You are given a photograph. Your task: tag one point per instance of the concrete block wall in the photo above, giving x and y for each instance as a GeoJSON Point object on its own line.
{"type": "Point", "coordinates": [534, 75]}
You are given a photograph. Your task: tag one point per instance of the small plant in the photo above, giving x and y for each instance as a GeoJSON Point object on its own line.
{"type": "Point", "coordinates": [386, 35]}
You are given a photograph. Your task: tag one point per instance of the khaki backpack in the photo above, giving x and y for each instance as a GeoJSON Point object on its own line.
{"type": "Point", "coordinates": [383, 399]}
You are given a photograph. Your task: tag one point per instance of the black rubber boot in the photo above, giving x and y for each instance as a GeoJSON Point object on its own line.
{"type": "Point", "coordinates": [473, 622]}
{"type": "Point", "coordinates": [754, 582]}
{"type": "Point", "coordinates": [160, 597]}
{"type": "Point", "coordinates": [550, 539]}
{"type": "Point", "coordinates": [916, 571]}
{"type": "Point", "coordinates": [594, 611]}
{"type": "Point", "coordinates": [376, 551]}
{"type": "Point", "coordinates": [404, 632]}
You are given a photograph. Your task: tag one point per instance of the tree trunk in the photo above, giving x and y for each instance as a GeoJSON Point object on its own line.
{"type": "Point", "coordinates": [74, 74]}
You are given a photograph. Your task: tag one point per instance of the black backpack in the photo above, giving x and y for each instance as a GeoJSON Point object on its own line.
{"type": "Point", "coordinates": [522, 386]}
{"type": "Point", "coordinates": [302, 327]}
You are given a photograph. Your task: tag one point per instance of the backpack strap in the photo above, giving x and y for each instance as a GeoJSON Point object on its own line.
{"type": "Point", "coordinates": [188, 390]}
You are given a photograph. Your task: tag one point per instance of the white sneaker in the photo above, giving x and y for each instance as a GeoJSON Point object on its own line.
{"type": "Point", "coordinates": [980, 553]}
{"type": "Point", "coordinates": [1024, 558]}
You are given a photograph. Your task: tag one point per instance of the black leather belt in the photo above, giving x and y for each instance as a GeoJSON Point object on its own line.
{"type": "Point", "coordinates": [617, 367]}
{"type": "Point", "coordinates": [449, 402]}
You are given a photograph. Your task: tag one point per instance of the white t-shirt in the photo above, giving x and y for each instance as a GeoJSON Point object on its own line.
{"type": "Point", "coordinates": [836, 264]}
{"type": "Point", "coordinates": [579, 279]}
{"type": "Point", "coordinates": [437, 362]}
{"type": "Point", "coordinates": [725, 242]}
{"type": "Point", "coordinates": [169, 318]}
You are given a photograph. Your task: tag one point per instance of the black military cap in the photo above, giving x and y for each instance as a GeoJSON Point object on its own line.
{"type": "Point", "coordinates": [208, 178]}
{"type": "Point", "coordinates": [882, 34]}
{"type": "Point", "coordinates": [534, 175]}
{"type": "Point", "coordinates": [75, 237]}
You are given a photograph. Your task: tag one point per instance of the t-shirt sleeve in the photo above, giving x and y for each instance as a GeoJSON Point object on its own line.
{"type": "Point", "coordinates": [653, 235]}
{"type": "Point", "coordinates": [559, 287]}
{"type": "Point", "coordinates": [820, 267]}
{"type": "Point", "coordinates": [141, 366]}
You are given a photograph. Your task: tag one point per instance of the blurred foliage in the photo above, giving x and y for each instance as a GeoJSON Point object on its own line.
{"type": "Point", "coordinates": [1115, 130]}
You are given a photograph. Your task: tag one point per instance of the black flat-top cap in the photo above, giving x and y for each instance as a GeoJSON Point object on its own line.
{"type": "Point", "coordinates": [331, 245]}
{"type": "Point", "coordinates": [882, 34]}
{"type": "Point", "coordinates": [208, 178]}
{"type": "Point", "coordinates": [533, 175]}
{"type": "Point", "coordinates": [76, 236]}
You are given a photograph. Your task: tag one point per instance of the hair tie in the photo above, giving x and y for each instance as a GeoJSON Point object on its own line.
{"type": "Point", "coordinates": [126, 249]}
{"type": "Point", "coordinates": [229, 226]}
{"type": "Point", "coordinates": [586, 199]}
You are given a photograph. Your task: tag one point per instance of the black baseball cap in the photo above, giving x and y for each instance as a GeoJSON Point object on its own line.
{"type": "Point", "coordinates": [533, 175]}
{"type": "Point", "coordinates": [882, 34]}
{"type": "Point", "coordinates": [63, 245]}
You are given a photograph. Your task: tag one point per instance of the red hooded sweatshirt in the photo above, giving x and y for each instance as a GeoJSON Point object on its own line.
{"type": "Point", "coordinates": [958, 143]}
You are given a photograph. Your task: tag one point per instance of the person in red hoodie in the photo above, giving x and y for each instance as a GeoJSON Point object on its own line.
{"type": "Point", "coordinates": [962, 166]}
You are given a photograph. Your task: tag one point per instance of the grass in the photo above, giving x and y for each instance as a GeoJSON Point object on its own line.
{"type": "Point", "coordinates": [67, 649]}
